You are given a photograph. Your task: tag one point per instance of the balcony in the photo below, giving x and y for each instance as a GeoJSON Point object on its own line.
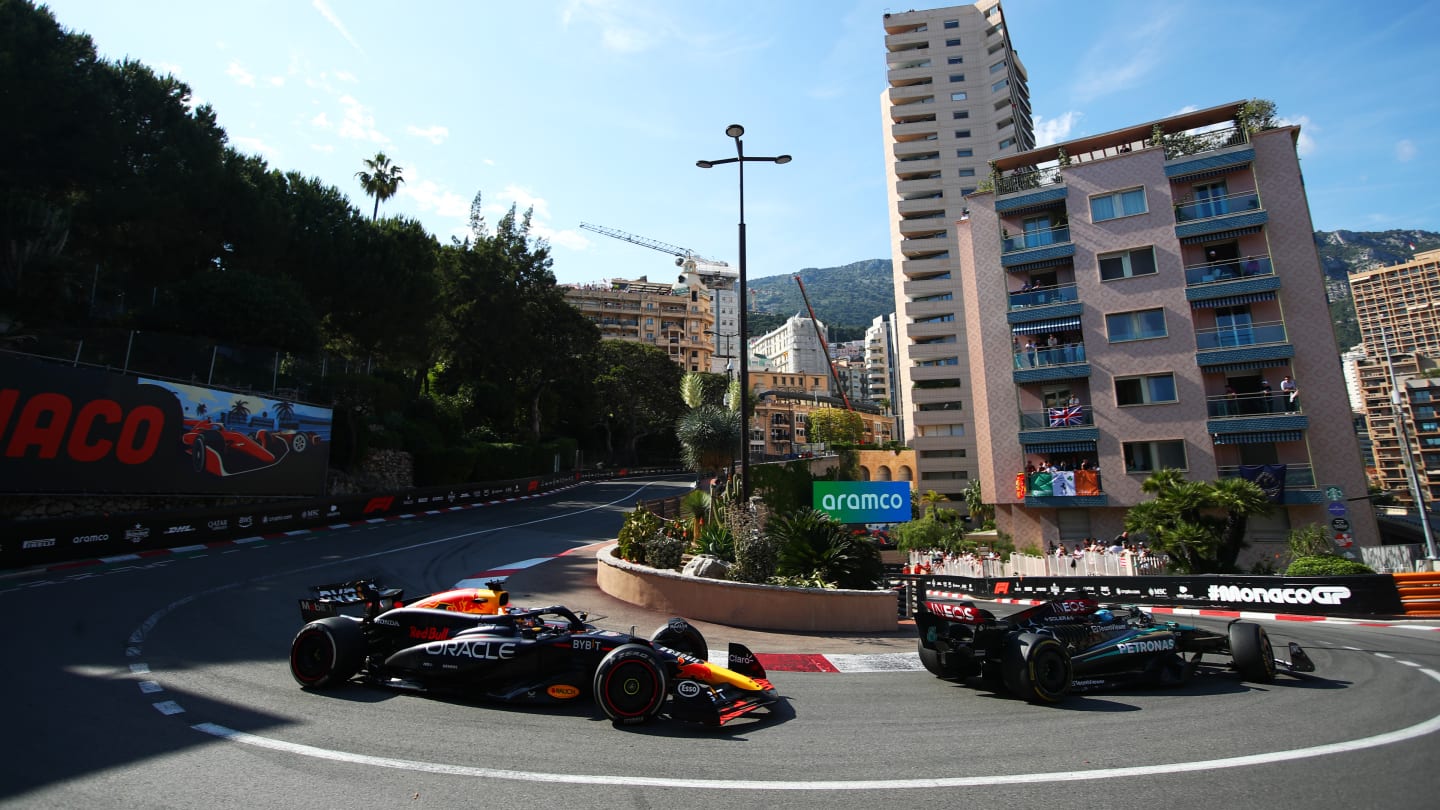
{"type": "Point", "coordinates": [1047, 297]}
{"type": "Point", "coordinates": [1246, 343]}
{"type": "Point", "coordinates": [1061, 429]}
{"type": "Point", "coordinates": [1298, 481]}
{"type": "Point", "coordinates": [1028, 178]}
{"type": "Point", "coordinates": [1077, 488]}
{"type": "Point", "coordinates": [1036, 246]}
{"type": "Point", "coordinates": [1216, 214]}
{"type": "Point", "coordinates": [1231, 282]}
{"type": "Point", "coordinates": [1042, 363]}
{"type": "Point", "coordinates": [1256, 418]}
{"type": "Point", "coordinates": [1182, 148]}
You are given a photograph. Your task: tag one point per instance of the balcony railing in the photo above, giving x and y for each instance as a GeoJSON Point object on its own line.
{"type": "Point", "coordinates": [1256, 404]}
{"type": "Point", "coordinates": [1068, 483]}
{"type": "Point", "coordinates": [1226, 337]}
{"type": "Point", "coordinates": [1060, 294]}
{"type": "Point", "coordinates": [1028, 177]}
{"type": "Point", "coordinates": [1184, 144]}
{"type": "Point", "coordinates": [1034, 239]}
{"type": "Point", "coordinates": [1237, 203]}
{"type": "Point", "coordinates": [1296, 475]}
{"type": "Point", "coordinates": [1058, 417]}
{"type": "Point", "coordinates": [1228, 270]}
{"type": "Point", "coordinates": [1043, 356]}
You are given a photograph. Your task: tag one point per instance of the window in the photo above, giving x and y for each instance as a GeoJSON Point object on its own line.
{"type": "Point", "coordinates": [1145, 457]}
{"type": "Point", "coordinates": [942, 361]}
{"type": "Point", "coordinates": [933, 340]}
{"type": "Point", "coordinates": [997, 67]}
{"type": "Point", "coordinates": [942, 454]}
{"type": "Point", "coordinates": [1000, 85]}
{"type": "Point", "coordinates": [1127, 264]}
{"type": "Point", "coordinates": [957, 77]}
{"type": "Point", "coordinates": [1002, 104]}
{"type": "Point", "coordinates": [1150, 389]}
{"type": "Point", "coordinates": [1118, 204]}
{"type": "Point", "coordinates": [956, 60]}
{"type": "Point", "coordinates": [967, 172]}
{"type": "Point", "coordinates": [952, 43]}
{"type": "Point", "coordinates": [923, 385]}
{"type": "Point", "coordinates": [1139, 325]}
{"type": "Point", "coordinates": [1005, 123]}
{"type": "Point", "coordinates": [937, 297]}
{"type": "Point", "coordinates": [1007, 143]}
{"type": "Point", "coordinates": [948, 475]}
{"type": "Point", "coordinates": [942, 430]}
{"type": "Point", "coordinates": [962, 133]}
{"type": "Point", "coordinates": [959, 114]}
{"type": "Point", "coordinates": [960, 96]}
{"type": "Point", "coordinates": [946, 318]}
{"type": "Point", "coordinates": [952, 23]}
{"type": "Point", "coordinates": [965, 153]}
{"type": "Point", "coordinates": [965, 191]}
{"type": "Point", "coordinates": [942, 406]}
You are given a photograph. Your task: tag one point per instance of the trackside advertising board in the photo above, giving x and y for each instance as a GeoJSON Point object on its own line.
{"type": "Point", "coordinates": [79, 430]}
{"type": "Point", "coordinates": [863, 501]}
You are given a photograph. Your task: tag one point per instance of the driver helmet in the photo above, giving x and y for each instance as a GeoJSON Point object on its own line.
{"type": "Point", "coordinates": [1104, 616]}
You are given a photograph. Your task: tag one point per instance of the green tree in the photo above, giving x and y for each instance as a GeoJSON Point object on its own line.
{"type": "Point", "coordinates": [636, 394]}
{"type": "Point", "coordinates": [1199, 525]}
{"type": "Point", "coordinates": [980, 511]}
{"type": "Point", "coordinates": [834, 426]}
{"type": "Point", "coordinates": [381, 179]}
{"type": "Point", "coordinates": [709, 439]}
{"type": "Point", "coordinates": [812, 545]}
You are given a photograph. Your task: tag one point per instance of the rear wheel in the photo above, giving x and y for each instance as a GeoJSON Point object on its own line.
{"type": "Point", "coordinates": [681, 636]}
{"type": "Point", "coordinates": [1251, 652]}
{"type": "Point", "coordinates": [630, 684]}
{"type": "Point", "coordinates": [327, 652]}
{"type": "Point", "coordinates": [1037, 668]}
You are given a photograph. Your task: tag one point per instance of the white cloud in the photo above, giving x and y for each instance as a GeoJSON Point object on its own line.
{"type": "Point", "coordinates": [1406, 151]}
{"type": "Point", "coordinates": [327, 148]}
{"type": "Point", "coordinates": [616, 32]}
{"type": "Point", "coordinates": [276, 81]}
{"type": "Point", "coordinates": [346, 76]}
{"type": "Point", "coordinates": [436, 134]}
{"type": "Point", "coordinates": [1055, 130]}
{"type": "Point", "coordinates": [321, 121]}
{"type": "Point", "coordinates": [1183, 110]}
{"type": "Point", "coordinates": [358, 123]}
{"type": "Point", "coordinates": [522, 199]}
{"type": "Point", "coordinates": [431, 196]}
{"type": "Point", "coordinates": [254, 145]}
{"type": "Point", "coordinates": [334, 20]}
{"type": "Point", "coordinates": [1305, 146]}
{"type": "Point", "coordinates": [240, 75]}
{"type": "Point", "coordinates": [166, 68]}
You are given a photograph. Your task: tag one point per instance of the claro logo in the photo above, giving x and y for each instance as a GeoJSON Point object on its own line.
{"type": "Point", "coordinates": [1315, 595]}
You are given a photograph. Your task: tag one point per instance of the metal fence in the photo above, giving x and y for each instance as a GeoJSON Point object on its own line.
{"type": "Point", "coordinates": [1088, 564]}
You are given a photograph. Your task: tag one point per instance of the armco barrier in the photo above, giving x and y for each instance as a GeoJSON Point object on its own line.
{"type": "Point", "coordinates": [1419, 592]}
{"type": "Point", "coordinates": [1358, 596]}
{"type": "Point", "coordinates": [26, 543]}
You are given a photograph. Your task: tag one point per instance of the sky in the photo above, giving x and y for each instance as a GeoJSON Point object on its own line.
{"type": "Point", "coordinates": [596, 111]}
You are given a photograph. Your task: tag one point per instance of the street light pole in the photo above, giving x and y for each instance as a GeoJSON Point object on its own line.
{"type": "Point", "coordinates": [735, 131]}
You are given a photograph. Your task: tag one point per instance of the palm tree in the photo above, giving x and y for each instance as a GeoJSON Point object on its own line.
{"type": "Point", "coordinates": [239, 412]}
{"type": "Point", "coordinates": [932, 500]}
{"type": "Point", "coordinates": [709, 438]}
{"type": "Point", "coordinates": [1182, 520]}
{"type": "Point", "coordinates": [381, 180]}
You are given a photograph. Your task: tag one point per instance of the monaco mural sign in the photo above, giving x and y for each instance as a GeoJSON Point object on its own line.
{"type": "Point", "coordinates": [71, 430]}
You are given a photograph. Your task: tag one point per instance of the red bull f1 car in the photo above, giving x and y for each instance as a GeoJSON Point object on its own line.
{"type": "Point", "coordinates": [471, 641]}
{"type": "Point", "coordinates": [1067, 645]}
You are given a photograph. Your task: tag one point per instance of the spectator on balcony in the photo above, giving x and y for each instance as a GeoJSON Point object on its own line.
{"type": "Point", "coordinates": [1267, 396]}
{"type": "Point", "coordinates": [1289, 392]}
{"type": "Point", "coordinates": [1229, 403]}
{"type": "Point", "coordinates": [1030, 354]}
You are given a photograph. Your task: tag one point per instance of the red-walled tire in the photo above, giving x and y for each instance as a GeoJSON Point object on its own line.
{"type": "Point", "coordinates": [630, 684]}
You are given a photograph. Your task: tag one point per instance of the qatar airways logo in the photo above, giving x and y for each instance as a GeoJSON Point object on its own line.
{"type": "Point", "coordinates": [1314, 595]}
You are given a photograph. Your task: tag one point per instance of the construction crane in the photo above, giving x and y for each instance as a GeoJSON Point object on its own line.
{"type": "Point", "coordinates": [834, 375]}
{"type": "Point", "coordinates": [684, 257]}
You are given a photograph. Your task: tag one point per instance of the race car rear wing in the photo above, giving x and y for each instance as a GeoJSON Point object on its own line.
{"type": "Point", "coordinates": [329, 600]}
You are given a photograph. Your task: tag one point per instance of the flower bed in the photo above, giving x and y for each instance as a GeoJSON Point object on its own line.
{"type": "Point", "coordinates": [741, 604]}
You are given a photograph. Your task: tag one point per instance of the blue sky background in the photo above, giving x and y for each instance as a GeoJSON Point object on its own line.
{"type": "Point", "coordinates": [596, 110]}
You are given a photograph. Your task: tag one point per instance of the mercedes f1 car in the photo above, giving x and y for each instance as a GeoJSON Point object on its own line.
{"type": "Point", "coordinates": [1070, 645]}
{"type": "Point", "coordinates": [473, 642]}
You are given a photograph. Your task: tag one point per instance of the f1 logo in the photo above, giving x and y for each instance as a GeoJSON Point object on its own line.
{"type": "Point", "coordinates": [381, 504]}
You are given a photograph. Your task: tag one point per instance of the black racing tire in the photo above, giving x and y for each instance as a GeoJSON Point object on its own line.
{"type": "Point", "coordinates": [682, 636]}
{"type": "Point", "coordinates": [930, 659]}
{"type": "Point", "coordinates": [197, 453]}
{"type": "Point", "coordinates": [327, 652]}
{"type": "Point", "coordinates": [299, 442]}
{"type": "Point", "coordinates": [630, 684]}
{"type": "Point", "coordinates": [1251, 652]}
{"type": "Point", "coordinates": [1037, 668]}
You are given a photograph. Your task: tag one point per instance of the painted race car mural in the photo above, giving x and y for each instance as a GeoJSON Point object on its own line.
{"type": "Point", "coordinates": [65, 429]}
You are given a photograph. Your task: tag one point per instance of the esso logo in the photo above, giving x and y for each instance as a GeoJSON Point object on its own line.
{"type": "Point", "coordinates": [1076, 605]}
{"type": "Point", "coordinates": [950, 610]}
{"type": "Point", "coordinates": [687, 689]}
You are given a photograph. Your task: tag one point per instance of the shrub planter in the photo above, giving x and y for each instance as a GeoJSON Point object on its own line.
{"type": "Point", "coordinates": [741, 604]}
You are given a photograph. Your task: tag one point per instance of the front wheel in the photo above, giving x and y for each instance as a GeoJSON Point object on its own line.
{"type": "Point", "coordinates": [1037, 668]}
{"type": "Point", "coordinates": [1251, 652]}
{"type": "Point", "coordinates": [630, 684]}
{"type": "Point", "coordinates": [327, 652]}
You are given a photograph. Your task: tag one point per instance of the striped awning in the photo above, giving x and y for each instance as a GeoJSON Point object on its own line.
{"type": "Point", "coordinates": [1260, 437]}
{"type": "Point", "coordinates": [1052, 325]}
{"type": "Point", "coordinates": [1061, 447]}
{"type": "Point", "coordinates": [1253, 365]}
{"type": "Point", "coordinates": [1215, 237]}
{"type": "Point", "coordinates": [1233, 300]}
{"type": "Point", "coordinates": [1202, 174]}
{"type": "Point", "coordinates": [1028, 266]}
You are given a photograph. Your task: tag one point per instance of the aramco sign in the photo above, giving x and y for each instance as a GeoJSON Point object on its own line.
{"type": "Point", "coordinates": [863, 501]}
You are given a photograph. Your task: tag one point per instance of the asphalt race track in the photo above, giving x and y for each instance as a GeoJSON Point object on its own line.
{"type": "Point", "coordinates": [164, 682]}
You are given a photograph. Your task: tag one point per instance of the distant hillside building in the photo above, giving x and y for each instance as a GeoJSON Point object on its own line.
{"type": "Point", "coordinates": [881, 346]}
{"type": "Point", "coordinates": [957, 98]}
{"type": "Point", "coordinates": [791, 348]}
{"type": "Point", "coordinates": [676, 317]}
{"type": "Point", "coordinates": [1133, 307]}
{"type": "Point", "coordinates": [1398, 311]}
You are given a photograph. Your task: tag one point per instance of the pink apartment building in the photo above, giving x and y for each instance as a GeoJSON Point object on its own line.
{"type": "Point", "coordinates": [1130, 307]}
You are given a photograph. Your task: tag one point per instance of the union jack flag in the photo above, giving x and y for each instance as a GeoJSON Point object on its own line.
{"type": "Point", "coordinates": [1069, 415]}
